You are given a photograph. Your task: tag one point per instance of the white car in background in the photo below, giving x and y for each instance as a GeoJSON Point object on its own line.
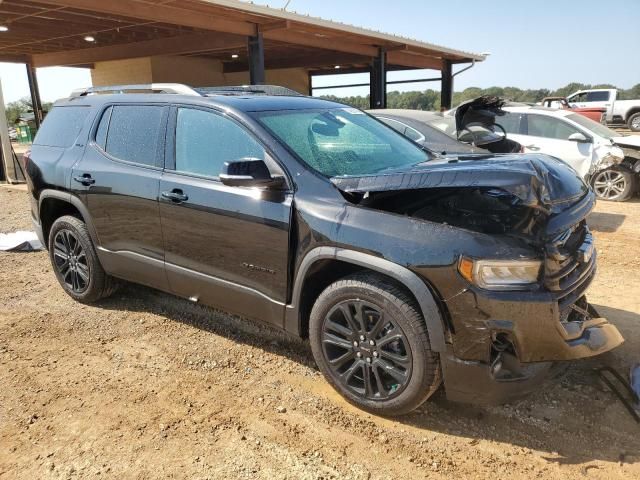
{"type": "Point", "coordinates": [607, 160]}
{"type": "Point", "coordinates": [610, 162]}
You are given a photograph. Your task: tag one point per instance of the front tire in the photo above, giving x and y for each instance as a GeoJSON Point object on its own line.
{"type": "Point", "coordinates": [371, 343]}
{"type": "Point", "coordinates": [614, 184]}
{"type": "Point", "coordinates": [75, 262]}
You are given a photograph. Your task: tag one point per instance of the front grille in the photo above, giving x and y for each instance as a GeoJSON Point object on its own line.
{"type": "Point", "coordinates": [570, 264]}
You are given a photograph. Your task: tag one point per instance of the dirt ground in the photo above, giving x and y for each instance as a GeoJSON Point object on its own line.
{"type": "Point", "coordinates": [145, 385]}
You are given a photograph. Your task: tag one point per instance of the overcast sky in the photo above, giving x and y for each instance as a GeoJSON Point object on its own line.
{"type": "Point", "coordinates": [541, 44]}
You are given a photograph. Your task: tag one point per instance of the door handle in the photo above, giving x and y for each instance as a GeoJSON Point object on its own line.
{"type": "Point", "coordinates": [176, 195]}
{"type": "Point", "coordinates": [533, 147]}
{"type": "Point", "coordinates": [85, 179]}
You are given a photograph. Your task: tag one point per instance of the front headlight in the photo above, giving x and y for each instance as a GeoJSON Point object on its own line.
{"type": "Point", "coordinates": [500, 274]}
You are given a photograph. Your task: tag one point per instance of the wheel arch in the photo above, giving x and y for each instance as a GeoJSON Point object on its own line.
{"type": "Point", "coordinates": [630, 112]}
{"type": "Point", "coordinates": [349, 261]}
{"type": "Point", "coordinates": [54, 204]}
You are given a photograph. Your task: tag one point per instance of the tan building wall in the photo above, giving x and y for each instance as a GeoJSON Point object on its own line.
{"type": "Point", "coordinates": [194, 71]}
{"type": "Point", "coordinates": [130, 71]}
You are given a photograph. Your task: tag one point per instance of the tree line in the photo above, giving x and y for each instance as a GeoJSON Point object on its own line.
{"type": "Point", "coordinates": [430, 99]}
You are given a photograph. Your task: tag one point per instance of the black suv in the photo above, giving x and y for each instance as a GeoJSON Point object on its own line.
{"type": "Point", "coordinates": [404, 268]}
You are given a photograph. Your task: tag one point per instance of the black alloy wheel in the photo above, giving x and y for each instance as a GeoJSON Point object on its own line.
{"type": "Point", "coordinates": [75, 261]}
{"type": "Point", "coordinates": [70, 260]}
{"type": "Point", "coordinates": [367, 353]}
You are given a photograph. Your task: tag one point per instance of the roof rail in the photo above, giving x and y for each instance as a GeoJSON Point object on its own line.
{"type": "Point", "coordinates": [175, 88]}
{"type": "Point", "coordinates": [276, 90]}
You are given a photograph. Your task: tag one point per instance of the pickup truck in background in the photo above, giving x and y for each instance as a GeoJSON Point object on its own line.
{"type": "Point", "coordinates": [597, 114]}
{"type": "Point", "coordinates": [618, 111]}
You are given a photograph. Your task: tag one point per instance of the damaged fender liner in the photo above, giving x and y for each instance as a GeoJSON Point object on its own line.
{"type": "Point", "coordinates": [540, 182]}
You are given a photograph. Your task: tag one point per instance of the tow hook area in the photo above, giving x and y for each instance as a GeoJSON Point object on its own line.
{"type": "Point", "coordinates": [505, 365]}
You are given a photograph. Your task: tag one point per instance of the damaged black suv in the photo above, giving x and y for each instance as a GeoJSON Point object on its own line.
{"type": "Point", "coordinates": [404, 269]}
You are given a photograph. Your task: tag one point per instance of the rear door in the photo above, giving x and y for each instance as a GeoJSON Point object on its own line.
{"type": "Point", "coordinates": [547, 134]}
{"type": "Point", "coordinates": [119, 176]}
{"type": "Point", "coordinates": [225, 246]}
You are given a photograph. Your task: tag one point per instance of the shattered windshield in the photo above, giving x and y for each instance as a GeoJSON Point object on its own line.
{"type": "Point", "coordinates": [342, 141]}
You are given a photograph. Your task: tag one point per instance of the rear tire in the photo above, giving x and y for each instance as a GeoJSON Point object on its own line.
{"type": "Point", "coordinates": [371, 343]}
{"type": "Point", "coordinates": [633, 122]}
{"type": "Point", "coordinates": [614, 184]}
{"type": "Point", "coordinates": [75, 262]}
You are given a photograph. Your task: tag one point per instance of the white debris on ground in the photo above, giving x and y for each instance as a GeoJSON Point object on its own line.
{"type": "Point", "coordinates": [23, 241]}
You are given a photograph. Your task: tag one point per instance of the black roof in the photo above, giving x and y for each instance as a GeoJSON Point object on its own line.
{"type": "Point", "coordinates": [248, 102]}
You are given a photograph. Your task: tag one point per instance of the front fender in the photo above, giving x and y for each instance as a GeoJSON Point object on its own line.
{"type": "Point", "coordinates": [429, 308]}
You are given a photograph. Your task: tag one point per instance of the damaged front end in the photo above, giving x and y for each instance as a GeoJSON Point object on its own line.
{"type": "Point", "coordinates": [502, 336]}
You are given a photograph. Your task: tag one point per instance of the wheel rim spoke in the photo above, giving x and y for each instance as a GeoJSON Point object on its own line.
{"type": "Point", "coordinates": [335, 340]}
{"type": "Point", "coordinates": [382, 391]}
{"type": "Point", "coordinates": [341, 361]}
{"type": "Point", "coordinates": [348, 316]}
{"type": "Point", "coordinates": [366, 375]}
{"type": "Point", "coordinates": [392, 370]}
{"type": "Point", "coordinates": [395, 358]}
{"type": "Point", "coordinates": [70, 260]}
{"type": "Point", "coordinates": [339, 329]}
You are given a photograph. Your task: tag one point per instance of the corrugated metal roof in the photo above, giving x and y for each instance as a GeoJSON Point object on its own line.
{"type": "Point", "coordinates": [320, 22]}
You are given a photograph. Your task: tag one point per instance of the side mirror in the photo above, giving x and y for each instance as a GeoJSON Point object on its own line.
{"type": "Point", "coordinates": [249, 172]}
{"type": "Point", "coordinates": [579, 137]}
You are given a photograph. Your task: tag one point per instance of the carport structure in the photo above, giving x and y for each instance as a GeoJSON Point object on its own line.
{"type": "Point", "coordinates": [207, 42]}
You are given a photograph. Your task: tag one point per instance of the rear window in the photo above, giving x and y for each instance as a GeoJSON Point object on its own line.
{"type": "Point", "coordinates": [134, 133]}
{"type": "Point", "coordinates": [62, 126]}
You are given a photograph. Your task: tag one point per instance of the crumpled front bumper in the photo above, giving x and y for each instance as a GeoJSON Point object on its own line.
{"type": "Point", "coordinates": [508, 347]}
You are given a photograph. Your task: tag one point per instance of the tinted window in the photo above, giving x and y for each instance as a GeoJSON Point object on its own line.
{"type": "Point", "coordinates": [62, 126]}
{"type": "Point", "coordinates": [206, 140]}
{"type": "Point", "coordinates": [134, 134]}
{"type": "Point", "coordinates": [397, 126]}
{"type": "Point", "coordinates": [549, 127]}
{"type": "Point", "coordinates": [407, 131]}
{"type": "Point", "coordinates": [101, 133]}
{"type": "Point", "coordinates": [597, 96]}
{"type": "Point", "coordinates": [510, 122]}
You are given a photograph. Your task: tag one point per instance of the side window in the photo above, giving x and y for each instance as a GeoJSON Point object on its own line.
{"type": "Point", "coordinates": [601, 96]}
{"type": "Point", "coordinates": [101, 132]}
{"type": "Point", "coordinates": [510, 122]}
{"type": "Point", "coordinates": [134, 134]}
{"type": "Point", "coordinates": [397, 126]}
{"type": "Point", "coordinates": [413, 134]}
{"type": "Point", "coordinates": [578, 98]}
{"type": "Point", "coordinates": [549, 127]}
{"type": "Point", "coordinates": [62, 126]}
{"type": "Point", "coordinates": [406, 130]}
{"type": "Point", "coordinates": [206, 140]}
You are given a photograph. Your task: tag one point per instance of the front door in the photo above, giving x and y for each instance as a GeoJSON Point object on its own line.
{"type": "Point", "coordinates": [119, 178]}
{"type": "Point", "coordinates": [224, 246]}
{"type": "Point", "coordinates": [549, 135]}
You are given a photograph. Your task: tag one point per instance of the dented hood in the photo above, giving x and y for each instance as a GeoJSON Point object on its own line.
{"type": "Point", "coordinates": [536, 181]}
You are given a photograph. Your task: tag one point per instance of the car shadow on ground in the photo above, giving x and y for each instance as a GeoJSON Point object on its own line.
{"type": "Point", "coordinates": [605, 222]}
{"type": "Point", "coordinates": [511, 424]}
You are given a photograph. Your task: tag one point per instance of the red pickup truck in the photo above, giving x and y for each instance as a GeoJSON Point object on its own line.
{"type": "Point", "coordinates": [597, 114]}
